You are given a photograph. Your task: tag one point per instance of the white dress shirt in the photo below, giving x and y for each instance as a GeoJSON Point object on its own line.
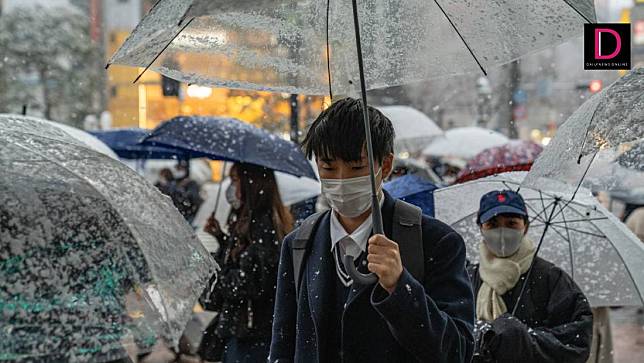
{"type": "Point", "coordinates": [352, 244]}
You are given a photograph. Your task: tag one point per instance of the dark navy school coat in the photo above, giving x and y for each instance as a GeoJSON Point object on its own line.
{"type": "Point", "coordinates": [423, 321]}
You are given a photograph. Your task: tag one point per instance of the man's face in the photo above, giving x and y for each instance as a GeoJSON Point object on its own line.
{"type": "Point", "coordinates": [506, 220]}
{"type": "Point", "coordinates": [340, 169]}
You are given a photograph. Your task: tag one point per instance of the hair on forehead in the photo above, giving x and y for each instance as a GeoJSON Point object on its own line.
{"type": "Point", "coordinates": [338, 133]}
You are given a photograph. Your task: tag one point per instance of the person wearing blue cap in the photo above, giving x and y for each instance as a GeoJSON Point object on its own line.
{"type": "Point", "coordinates": [553, 322]}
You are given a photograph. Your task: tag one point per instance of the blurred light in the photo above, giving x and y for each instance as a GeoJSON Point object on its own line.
{"type": "Point", "coordinates": [545, 141]}
{"type": "Point", "coordinates": [286, 136]}
{"type": "Point", "coordinates": [195, 91]}
{"type": "Point", "coordinates": [535, 134]}
{"type": "Point", "coordinates": [403, 155]}
{"type": "Point", "coordinates": [143, 104]}
{"type": "Point", "coordinates": [595, 86]}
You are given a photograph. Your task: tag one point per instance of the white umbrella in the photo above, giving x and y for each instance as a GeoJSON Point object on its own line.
{"type": "Point", "coordinates": [414, 130]}
{"type": "Point", "coordinates": [465, 142]}
{"type": "Point", "coordinates": [86, 138]}
{"type": "Point", "coordinates": [604, 258]}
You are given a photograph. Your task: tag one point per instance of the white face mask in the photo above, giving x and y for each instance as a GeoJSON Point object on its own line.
{"type": "Point", "coordinates": [349, 197]}
{"type": "Point", "coordinates": [503, 242]}
{"type": "Point", "coordinates": [231, 196]}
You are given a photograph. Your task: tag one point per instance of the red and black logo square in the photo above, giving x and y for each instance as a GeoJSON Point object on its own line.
{"type": "Point", "coordinates": [607, 46]}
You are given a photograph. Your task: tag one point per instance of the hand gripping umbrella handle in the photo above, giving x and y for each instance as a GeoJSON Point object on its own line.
{"type": "Point", "coordinates": [357, 276]}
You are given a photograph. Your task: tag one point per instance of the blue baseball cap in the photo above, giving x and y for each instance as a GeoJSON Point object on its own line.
{"type": "Point", "coordinates": [500, 202]}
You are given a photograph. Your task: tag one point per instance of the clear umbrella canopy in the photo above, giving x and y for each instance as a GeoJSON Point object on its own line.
{"type": "Point", "coordinates": [604, 258]}
{"type": "Point", "coordinates": [588, 144]}
{"type": "Point", "coordinates": [92, 258]}
{"type": "Point", "coordinates": [281, 45]}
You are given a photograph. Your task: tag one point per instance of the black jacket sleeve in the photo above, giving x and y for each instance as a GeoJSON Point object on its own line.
{"type": "Point", "coordinates": [565, 337]}
{"type": "Point", "coordinates": [433, 320]}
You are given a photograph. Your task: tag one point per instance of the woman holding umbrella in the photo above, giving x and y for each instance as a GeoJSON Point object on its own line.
{"type": "Point", "coordinates": [552, 322]}
{"type": "Point", "coordinates": [245, 289]}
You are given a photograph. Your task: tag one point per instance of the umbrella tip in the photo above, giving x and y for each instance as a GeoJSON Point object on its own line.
{"type": "Point", "coordinates": [579, 159]}
{"type": "Point", "coordinates": [108, 65]}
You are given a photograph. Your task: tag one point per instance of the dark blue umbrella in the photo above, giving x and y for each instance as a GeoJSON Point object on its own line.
{"type": "Point", "coordinates": [229, 139]}
{"type": "Point", "coordinates": [126, 144]}
{"type": "Point", "coordinates": [415, 190]}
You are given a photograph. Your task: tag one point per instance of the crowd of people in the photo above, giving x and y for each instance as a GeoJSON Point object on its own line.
{"type": "Point", "coordinates": [284, 294]}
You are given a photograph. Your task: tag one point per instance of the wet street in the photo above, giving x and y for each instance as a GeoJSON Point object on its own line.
{"type": "Point", "coordinates": [628, 334]}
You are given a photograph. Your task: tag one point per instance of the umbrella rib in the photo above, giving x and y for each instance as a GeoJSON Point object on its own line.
{"type": "Point", "coordinates": [185, 15]}
{"type": "Point", "coordinates": [585, 173]}
{"type": "Point", "coordinates": [583, 232]}
{"type": "Point", "coordinates": [581, 220]}
{"type": "Point", "coordinates": [572, 263]}
{"type": "Point", "coordinates": [536, 214]}
{"type": "Point", "coordinates": [328, 49]}
{"type": "Point", "coordinates": [578, 12]}
{"type": "Point", "coordinates": [581, 215]}
{"type": "Point", "coordinates": [461, 36]}
{"type": "Point", "coordinates": [542, 211]}
{"type": "Point", "coordinates": [163, 50]}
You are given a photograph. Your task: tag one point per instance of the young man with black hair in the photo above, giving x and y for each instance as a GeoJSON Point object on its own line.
{"type": "Point", "coordinates": [420, 310]}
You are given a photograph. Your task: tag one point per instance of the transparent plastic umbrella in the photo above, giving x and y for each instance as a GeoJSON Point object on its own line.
{"type": "Point", "coordinates": [304, 46]}
{"type": "Point", "coordinates": [586, 146]}
{"type": "Point", "coordinates": [604, 258]}
{"type": "Point", "coordinates": [281, 45]}
{"type": "Point", "coordinates": [93, 259]}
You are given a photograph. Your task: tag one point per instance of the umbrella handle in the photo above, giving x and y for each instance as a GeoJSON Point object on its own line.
{"type": "Point", "coordinates": [357, 276]}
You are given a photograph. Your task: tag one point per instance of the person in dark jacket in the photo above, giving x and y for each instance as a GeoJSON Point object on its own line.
{"type": "Point", "coordinates": [553, 321]}
{"type": "Point", "coordinates": [399, 318]}
{"type": "Point", "coordinates": [244, 292]}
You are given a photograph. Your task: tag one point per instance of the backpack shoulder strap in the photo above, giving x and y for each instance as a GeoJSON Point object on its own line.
{"type": "Point", "coordinates": [407, 231]}
{"type": "Point", "coordinates": [300, 244]}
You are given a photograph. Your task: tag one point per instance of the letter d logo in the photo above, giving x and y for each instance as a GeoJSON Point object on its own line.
{"type": "Point", "coordinates": [598, 43]}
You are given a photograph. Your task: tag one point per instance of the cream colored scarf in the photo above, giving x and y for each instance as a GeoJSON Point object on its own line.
{"type": "Point", "coordinates": [498, 275]}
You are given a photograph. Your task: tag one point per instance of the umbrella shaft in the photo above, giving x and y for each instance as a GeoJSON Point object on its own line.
{"type": "Point", "coordinates": [376, 214]}
{"type": "Point", "coordinates": [527, 277]}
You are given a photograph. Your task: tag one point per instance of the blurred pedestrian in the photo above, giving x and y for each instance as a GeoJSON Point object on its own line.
{"type": "Point", "coordinates": [635, 222]}
{"type": "Point", "coordinates": [187, 193]}
{"type": "Point", "coordinates": [553, 322]}
{"type": "Point", "coordinates": [166, 183]}
{"type": "Point", "coordinates": [244, 292]}
{"type": "Point", "coordinates": [419, 309]}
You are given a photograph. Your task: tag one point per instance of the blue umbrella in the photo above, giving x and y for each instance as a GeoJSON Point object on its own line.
{"type": "Point", "coordinates": [415, 190]}
{"type": "Point", "coordinates": [126, 144]}
{"type": "Point", "coordinates": [229, 139]}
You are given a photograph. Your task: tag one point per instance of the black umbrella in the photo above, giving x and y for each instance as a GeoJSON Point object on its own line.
{"type": "Point", "coordinates": [229, 139]}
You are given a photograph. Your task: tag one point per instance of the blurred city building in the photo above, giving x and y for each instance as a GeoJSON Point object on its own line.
{"type": "Point", "coordinates": [155, 98]}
